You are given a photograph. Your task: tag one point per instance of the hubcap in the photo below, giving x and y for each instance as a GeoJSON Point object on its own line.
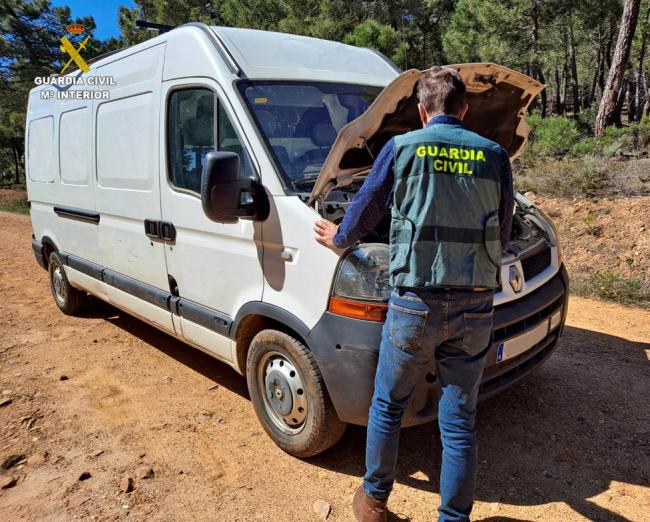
{"type": "Point", "coordinates": [58, 285]}
{"type": "Point", "coordinates": [285, 399]}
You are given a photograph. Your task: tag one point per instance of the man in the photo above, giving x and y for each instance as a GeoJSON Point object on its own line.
{"type": "Point", "coordinates": [451, 199]}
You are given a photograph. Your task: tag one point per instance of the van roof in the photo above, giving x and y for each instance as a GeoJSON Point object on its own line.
{"type": "Point", "coordinates": [281, 56]}
{"type": "Point", "coordinates": [269, 55]}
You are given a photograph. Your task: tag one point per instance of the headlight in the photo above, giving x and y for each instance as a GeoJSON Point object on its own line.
{"type": "Point", "coordinates": [363, 273]}
{"type": "Point", "coordinates": [361, 286]}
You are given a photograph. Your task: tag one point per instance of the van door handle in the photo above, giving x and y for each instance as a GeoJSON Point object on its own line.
{"type": "Point", "coordinates": [152, 228]}
{"type": "Point", "coordinates": [167, 231]}
{"type": "Point", "coordinates": [156, 229]}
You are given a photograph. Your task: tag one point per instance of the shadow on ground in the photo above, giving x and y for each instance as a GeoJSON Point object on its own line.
{"type": "Point", "coordinates": [195, 359]}
{"type": "Point", "coordinates": [564, 435]}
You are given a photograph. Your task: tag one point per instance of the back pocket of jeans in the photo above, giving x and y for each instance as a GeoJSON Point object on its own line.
{"type": "Point", "coordinates": [478, 331]}
{"type": "Point", "coordinates": [406, 327]}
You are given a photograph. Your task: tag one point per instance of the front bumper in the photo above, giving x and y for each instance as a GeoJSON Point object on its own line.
{"type": "Point", "coordinates": [347, 350]}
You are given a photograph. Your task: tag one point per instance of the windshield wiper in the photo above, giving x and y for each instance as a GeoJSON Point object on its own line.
{"type": "Point", "coordinates": [308, 179]}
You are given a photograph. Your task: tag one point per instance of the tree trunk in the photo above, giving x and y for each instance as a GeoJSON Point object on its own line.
{"type": "Point", "coordinates": [573, 67]}
{"type": "Point", "coordinates": [610, 42]}
{"type": "Point", "coordinates": [631, 99]}
{"type": "Point", "coordinates": [543, 95]}
{"type": "Point", "coordinates": [646, 88]}
{"type": "Point", "coordinates": [640, 84]}
{"type": "Point", "coordinates": [606, 62]}
{"type": "Point", "coordinates": [14, 152]}
{"type": "Point", "coordinates": [594, 82]}
{"type": "Point", "coordinates": [565, 86]}
{"type": "Point", "coordinates": [535, 67]}
{"type": "Point", "coordinates": [608, 104]}
{"type": "Point", "coordinates": [557, 105]}
{"type": "Point", "coordinates": [618, 107]}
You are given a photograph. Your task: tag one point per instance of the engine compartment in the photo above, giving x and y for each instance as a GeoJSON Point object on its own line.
{"type": "Point", "coordinates": [526, 233]}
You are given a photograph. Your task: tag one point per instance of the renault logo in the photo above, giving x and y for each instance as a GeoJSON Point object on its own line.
{"type": "Point", "coordinates": [516, 279]}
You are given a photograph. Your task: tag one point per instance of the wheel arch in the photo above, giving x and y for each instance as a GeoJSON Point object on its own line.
{"type": "Point", "coordinates": [256, 316]}
{"type": "Point", "coordinates": [48, 246]}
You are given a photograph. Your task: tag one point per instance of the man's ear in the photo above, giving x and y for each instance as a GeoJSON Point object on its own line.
{"type": "Point", "coordinates": [463, 111]}
{"type": "Point", "coordinates": [423, 115]}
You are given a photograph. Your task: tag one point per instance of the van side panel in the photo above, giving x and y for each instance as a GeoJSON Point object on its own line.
{"type": "Point", "coordinates": [59, 170]}
{"type": "Point", "coordinates": [217, 266]}
{"type": "Point", "coordinates": [300, 283]}
{"type": "Point", "coordinates": [128, 189]}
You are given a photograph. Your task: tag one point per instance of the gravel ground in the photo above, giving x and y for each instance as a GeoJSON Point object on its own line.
{"type": "Point", "coordinates": [89, 402]}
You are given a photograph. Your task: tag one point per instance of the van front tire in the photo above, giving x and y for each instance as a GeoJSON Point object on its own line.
{"type": "Point", "coordinates": [289, 395]}
{"type": "Point", "coordinates": [69, 300]}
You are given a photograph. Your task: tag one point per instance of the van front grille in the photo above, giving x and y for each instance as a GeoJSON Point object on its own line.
{"type": "Point", "coordinates": [528, 322]}
{"type": "Point", "coordinates": [537, 263]}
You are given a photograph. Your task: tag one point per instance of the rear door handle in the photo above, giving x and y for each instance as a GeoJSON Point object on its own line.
{"type": "Point", "coordinates": [152, 228]}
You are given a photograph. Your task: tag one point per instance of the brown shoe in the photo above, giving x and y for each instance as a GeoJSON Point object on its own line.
{"type": "Point", "coordinates": [367, 509]}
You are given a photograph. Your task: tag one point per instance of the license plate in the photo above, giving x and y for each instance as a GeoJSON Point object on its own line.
{"type": "Point", "coordinates": [518, 345]}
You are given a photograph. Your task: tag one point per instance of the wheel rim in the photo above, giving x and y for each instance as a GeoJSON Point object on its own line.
{"type": "Point", "coordinates": [285, 398]}
{"type": "Point", "coordinates": [58, 285]}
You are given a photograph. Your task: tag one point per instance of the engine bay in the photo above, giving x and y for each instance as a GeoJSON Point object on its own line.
{"type": "Point", "coordinates": [526, 232]}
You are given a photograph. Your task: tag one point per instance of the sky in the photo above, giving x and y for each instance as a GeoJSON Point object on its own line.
{"type": "Point", "coordinates": [103, 11]}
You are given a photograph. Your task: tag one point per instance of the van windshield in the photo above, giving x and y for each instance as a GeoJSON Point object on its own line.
{"type": "Point", "coordinates": [300, 121]}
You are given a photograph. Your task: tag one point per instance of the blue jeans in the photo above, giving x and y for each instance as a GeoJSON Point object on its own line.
{"type": "Point", "coordinates": [452, 328]}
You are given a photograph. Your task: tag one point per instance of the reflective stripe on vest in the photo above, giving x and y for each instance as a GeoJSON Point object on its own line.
{"type": "Point", "coordinates": [444, 219]}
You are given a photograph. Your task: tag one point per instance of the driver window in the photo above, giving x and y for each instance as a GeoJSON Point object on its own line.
{"type": "Point", "coordinates": [229, 141]}
{"type": "Point", "coordinates": [191, 135]}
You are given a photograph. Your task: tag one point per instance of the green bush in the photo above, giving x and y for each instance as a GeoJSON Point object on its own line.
{"type": "Point", "coordinates": [633, 139]}
{"type": "Point", "coordinates": [608, 285]}
{"type": "Point", "coordinates": [534, 120]}
{"type": "Point", "coordinates": [637, 136]}
{"type": "Point", "coordinates": [553, 136]}
{"type": "Point", "coordinates": [643, 129]}
{"type": "Point", "coordinates": [587, 119]}
{"type": "Point", "coordinates": [587, 176]}
{"type": "Point", "coordinates": [585, 147]}
{"type": "Point", "coordinates": [566, 178]}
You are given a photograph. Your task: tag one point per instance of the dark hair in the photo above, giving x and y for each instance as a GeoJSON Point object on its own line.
{"type": "Point", "coordinates": [441, 90]}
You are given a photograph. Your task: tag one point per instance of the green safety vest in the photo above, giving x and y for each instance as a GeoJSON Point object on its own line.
{"type": "Point", "coordinates": [444, 219]}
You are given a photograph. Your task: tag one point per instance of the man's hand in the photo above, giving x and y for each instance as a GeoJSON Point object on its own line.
{"type": "Point", "coordinates": [325, 232]}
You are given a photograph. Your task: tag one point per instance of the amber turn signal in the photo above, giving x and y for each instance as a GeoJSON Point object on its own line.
{"type": "Point", "coordinates": [358, 310]}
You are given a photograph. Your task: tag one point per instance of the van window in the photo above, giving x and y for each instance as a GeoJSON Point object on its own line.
{"type": "Point", "coordinates": [74, 152]}
{"type": "Point", "coordinates": [230, 142]}
{"type": "Point", "coordinates": [300, 121]}
{"type": "Point", "coordinates": [190, 135]}
{"type": "Point", "coordinates": [190, 131]}
{"type": "Point", "coordinates": [40, 154]}
{"type": "Point", "coordinates": [126, 145]}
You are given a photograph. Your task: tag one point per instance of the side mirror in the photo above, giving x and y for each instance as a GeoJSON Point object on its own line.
{"type": "Point", "coordinates": [227, 193]}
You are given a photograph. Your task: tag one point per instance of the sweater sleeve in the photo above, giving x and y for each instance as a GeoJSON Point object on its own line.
{"type": "Point", "coordinates": [371, 202]}
{"type": "Point", "coordinates": [507, 203]}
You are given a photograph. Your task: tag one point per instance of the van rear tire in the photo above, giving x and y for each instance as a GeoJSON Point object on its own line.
{"type": "Point", "coordinates": [69, 300]}
{"type": "Point", "coordinates": [289, 395]}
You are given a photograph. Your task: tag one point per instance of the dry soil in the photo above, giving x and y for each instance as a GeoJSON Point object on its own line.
{"type": "Point", "coordinates": [104, 396]}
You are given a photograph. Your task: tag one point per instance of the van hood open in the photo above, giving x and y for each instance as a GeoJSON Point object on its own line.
{"type": "Point", "coordinates": [498, 98]}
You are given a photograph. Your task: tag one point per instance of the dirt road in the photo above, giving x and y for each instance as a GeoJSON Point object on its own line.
{"type": "Point", "coordinates": [107, 395]}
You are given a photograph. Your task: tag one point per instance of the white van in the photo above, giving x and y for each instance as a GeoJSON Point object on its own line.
{"type": "Point", "coordinates": [183, 189]}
